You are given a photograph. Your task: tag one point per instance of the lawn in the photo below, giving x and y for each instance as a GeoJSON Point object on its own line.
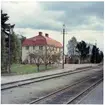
{"type": "Point", "coordinates": [27, 69]}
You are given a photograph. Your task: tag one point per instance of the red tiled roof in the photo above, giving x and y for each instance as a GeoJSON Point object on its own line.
{"type": "Point", "coordinates": [41, 40]}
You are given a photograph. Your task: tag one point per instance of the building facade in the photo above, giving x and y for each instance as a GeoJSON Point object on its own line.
{"type": "Point", "coordinates": [41, 43]}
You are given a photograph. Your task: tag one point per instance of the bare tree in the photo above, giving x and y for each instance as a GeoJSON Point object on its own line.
{"type": "Point", "coordinates": [37, 58]}
{"type": "Point", "coordinates": [56, 58]}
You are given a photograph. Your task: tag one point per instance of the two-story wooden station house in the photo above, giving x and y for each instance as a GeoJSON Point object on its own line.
{"type": "Point", "coordinates": [40, 42]}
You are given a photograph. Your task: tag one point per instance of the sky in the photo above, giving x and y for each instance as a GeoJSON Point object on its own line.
{"type": "Point", "coordinates": [83, 20]}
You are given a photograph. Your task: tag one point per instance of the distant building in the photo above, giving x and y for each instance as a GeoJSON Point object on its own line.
{"type": "Point", "coordinates": [41, 43]}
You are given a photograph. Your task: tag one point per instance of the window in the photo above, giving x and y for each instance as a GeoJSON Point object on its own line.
{"type": "Point", "coordinates": [33, 47]}
{"type": "Point", "coordinates": [40, 47]}
{"type": "Point", "coordinates": [57, 49]}
{"type": "Point", "coordinates": [47, 48]}
{"type": "Point", "coordinates": [27, 47]}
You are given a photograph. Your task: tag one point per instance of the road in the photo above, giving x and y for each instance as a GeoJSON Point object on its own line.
{"type": "Point", "coordinates": [27, 93]}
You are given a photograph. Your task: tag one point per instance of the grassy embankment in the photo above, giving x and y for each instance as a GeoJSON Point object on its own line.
{"type": "Point", "coordinates": [27, 69]}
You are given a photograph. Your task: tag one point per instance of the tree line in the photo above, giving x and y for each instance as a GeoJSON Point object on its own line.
{"type": "Point", "coordinates": [15, 44]}
{"type": "Point", "coordinates": [16, 49]}
{"type": "Point", "coordinates": [83, 49]}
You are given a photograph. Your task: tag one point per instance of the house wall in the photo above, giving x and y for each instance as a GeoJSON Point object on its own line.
{"type": "Point", "coordinates": [50, 49]}
{"type": "Point", "coordinates": [26, 52]}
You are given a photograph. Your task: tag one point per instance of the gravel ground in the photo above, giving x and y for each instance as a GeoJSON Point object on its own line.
{"type": "Point", "coordinates": [63, 97]}
{"type": "Point", "coordinates": [95, 96]}
{"type": "Point", "coordinates": [68, 67]}
{"type": "Point", "coordinates": [27, 93]}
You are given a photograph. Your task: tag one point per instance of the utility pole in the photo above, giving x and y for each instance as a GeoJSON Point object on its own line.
{"type": "Point", "coordinates": [9, 54]}
{"type": "Point", "coordinates": [63, 45]}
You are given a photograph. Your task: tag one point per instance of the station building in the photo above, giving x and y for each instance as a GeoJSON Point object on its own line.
{"type": "Point", "coordinates": [40, 43]}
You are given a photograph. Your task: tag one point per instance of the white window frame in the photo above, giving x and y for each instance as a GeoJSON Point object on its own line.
{"type": "Point", "coordinates": [33, 47]}
{"type": "Point", "coordinates": [40, 47]}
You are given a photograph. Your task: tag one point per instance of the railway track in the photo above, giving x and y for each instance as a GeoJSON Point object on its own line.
{"type": "Point", "coordinates": [51, 97]}
{"type": "Point", "coordinates": [38, 79]}
{"type": "Point", "coordinates": [76, 98]}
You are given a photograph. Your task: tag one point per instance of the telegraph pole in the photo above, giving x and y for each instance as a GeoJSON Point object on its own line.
{"type": "Point", "coordinates": [9, 54]}
{"type": "Point", "coordinates": [63, 45]}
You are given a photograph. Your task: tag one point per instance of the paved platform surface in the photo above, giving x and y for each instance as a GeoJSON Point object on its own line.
{"type": "Point", "coordinates": [68, 67]}
{"type": "Point", "coordinates": [95, 96]}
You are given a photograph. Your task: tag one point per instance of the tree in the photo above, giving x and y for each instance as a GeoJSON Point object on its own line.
{"type": "Point", "coordinates": [47, 59]}
{"type": "Point", "coordinates": [37, 58]}
{"type": "Point", "coordinates": [101, 56]}
{"type": "Point", "coordinates": [4, 55]}
{"type": "Point", "coordinates": [53, 58]}
{"type": "Point", "coordinates": [4, 43]}
{"type": "Point", "coordinates": [5, 48]}
{"type": "Point", "coordinates": [4, 19]}
{"type": "Point", "coordinates": [71, 47]}
{"type": "Point", "coordinates": [15, 48]}
{"type": "Point", "coordinates": [82, 49]}
{"type": "Point", "coordinates": [97, 55]}
{"type": "Point", "coordinates": [21, 38]}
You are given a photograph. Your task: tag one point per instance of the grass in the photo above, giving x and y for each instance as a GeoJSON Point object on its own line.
{"type": "Point", "coordinates": [27, 69]}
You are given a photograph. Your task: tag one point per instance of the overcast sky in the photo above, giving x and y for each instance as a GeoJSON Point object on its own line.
{"type": "Point", "coordinates": [83, 20]}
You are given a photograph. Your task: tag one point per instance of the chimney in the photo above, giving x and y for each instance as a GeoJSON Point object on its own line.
{"type": "Point", "coordinates": [46, 35]}
{"type": "Point", "coordinates": [40, 33]}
